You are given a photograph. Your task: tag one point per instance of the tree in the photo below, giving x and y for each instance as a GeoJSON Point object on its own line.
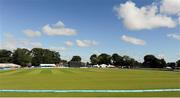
{"type": "Point", "coordinates": [94, 59]}
{"type": "Point", "coordinates": [76, 58]}
{"type": "Point", "coordinates": [104, 59]}
{"type": "Point", "coordinates": [137, 64]}
{"type": "Point", "coordinates": [161, 63]}
{"type": "Point", "coordinates": [131, 62]}
{"type": "Point", "coordinates": [127, 61]}
{"type": "Point", "coordinates": [153, 62]}
{"type": "Point", "coordinates": [5, 56]}
{"type": "Point", "coordinates": [37, 56]}
{"type": "Point", "coordinates": [149, 61]}
{"type": "Point", "coordinates": [171, 64]}
{"type": "Point", "coordinates": [64, 61]}
{"type": "Point", "coordinates": [51, 57]}
{"type": "Point", "coordinates": [117, 60]}
{"type": "Point", "coordinates": [44, 56]}
{"type": "Point", "coordinates": [178, 63]}
{"type": "Point", "coordinates": [22, 57]}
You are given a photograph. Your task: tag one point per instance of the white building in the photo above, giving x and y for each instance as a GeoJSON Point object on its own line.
{"type": "Point", "coordinates": [110, 66]}
{"type": "Point", "coordinates": [9, 66]}
{"type": "Point", "coordinates": [104, 66]}
{"type": "Point", "coordinates": [47, 65]}
{"type": "Point", "coordinates": [96, 66]}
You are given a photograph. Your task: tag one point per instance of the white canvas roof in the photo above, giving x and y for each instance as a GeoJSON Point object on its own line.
{"type": "Point", "coordinates": [103, 65]}
{"type": "Point", "coordinates": [9, 65]}
{"type": "Point", "coordinates": [110, 66]}
{"type": "Point", "coordinates": [47, 65]}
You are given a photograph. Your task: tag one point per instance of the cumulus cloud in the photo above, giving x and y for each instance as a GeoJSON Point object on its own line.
{"type": "Point", "coordinates": [31, 33]}
{"type": "Point", "coordinates": [58, 29]}
{"type": "Point", "coordinates": [146, 17]}
{"type": "Point", "coordinates": [86, 43]}
{"type": "Point", "coordinates": [174, 36]}
{"type": "Point", "coordinates": [11, 43]}
{"type": "Point", "coordinates": [59, 49]}
{"type": "Point", "coordinates": [69, 43]}
{"type": "Point", "coordinates": [161, 56]}
{"type": "Point", "coordinates": [171, 7]}
{"type": "Point", "coordinates": [29, 44]}
{"type": "Point", "coordinates": [133, 40]}
{"type": "Point", "coordinates": [178, 54]}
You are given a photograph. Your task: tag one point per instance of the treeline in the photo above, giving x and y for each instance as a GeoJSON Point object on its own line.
{"type": "Point", "coordinates": [25, 57]}
{"type": "Point", "coordinates": [37, 56]}
{"type": "Point", "coordinates": [115, 59]}
{"type": "Point", "coordinates": [150, 61]}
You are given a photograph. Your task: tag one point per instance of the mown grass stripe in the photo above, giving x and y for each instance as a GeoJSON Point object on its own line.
{"type": "Point", "coordinates": [46, 71]}
{"type": "Point", "coordinates": [91, 91]}
{"type": "Point", "coordinates": [22, 72]}
{"type": "Point", "coordinates": [67, 71]}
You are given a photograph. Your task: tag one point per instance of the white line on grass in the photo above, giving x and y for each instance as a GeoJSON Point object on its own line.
{"type": "Point", "coordinates": [91, 91]}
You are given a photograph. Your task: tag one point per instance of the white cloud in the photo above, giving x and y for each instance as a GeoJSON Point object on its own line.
{"type": "Point", "coordinates": [59, 49]}
{"type": "Point", "coordinates": [11, 43]}
{"type": "Point", "coordinates": [179, 20]}
{"type": "Point", "coordinates": [133, 40]}
{"type": "Point", "coordinates": [59, 24]}
{"type": "Point", "coordinates": [171, 7]}
{"type": "Point", "coordinates": [69, 43]}
{"type": "Point", "coordinates": [36, 44]}
{"type": "Point", "coordinates": [31, 33]}
{"type": "Point", "coordinates": [146, 17]}
{"type": "Point", "coordinates": [174, 35]}
{"type": "Point", "coordinates": [58, 29]}
{"type": "Point", "coordinates": [0, 44]}
{"type": "Point", "coordinates": [161, 56]}
{"type": "Point", "coordinates": [178, 54]}
{"type": "Point", "coordinates": [86, 43]}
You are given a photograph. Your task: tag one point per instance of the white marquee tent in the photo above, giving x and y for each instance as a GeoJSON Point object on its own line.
{"type": "Point", "coordinates": [9, 65]}
{"type": "Point", "coordinates": [47, 65]}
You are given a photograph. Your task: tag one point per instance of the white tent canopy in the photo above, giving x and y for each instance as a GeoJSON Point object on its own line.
{"type": "Point", "coordinates": [47, 65]}
{"type": "Point", "coordinates": [9, 65]}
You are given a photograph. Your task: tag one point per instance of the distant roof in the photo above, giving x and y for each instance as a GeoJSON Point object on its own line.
{"type": "Point", "coordinates": [44, 65]}
{"type": "Point", "coordinates": [8, 65]}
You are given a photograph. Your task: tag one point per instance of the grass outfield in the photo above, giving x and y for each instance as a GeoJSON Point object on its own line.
{"type": "Point", "coordinates": [91, 78]}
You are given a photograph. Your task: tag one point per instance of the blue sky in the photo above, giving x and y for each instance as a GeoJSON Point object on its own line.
{"type": "Point", "coordinates": [84, 27]}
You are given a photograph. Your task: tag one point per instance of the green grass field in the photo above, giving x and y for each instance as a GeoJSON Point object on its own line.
{"type": "Point", "coordinates": [91, 78]}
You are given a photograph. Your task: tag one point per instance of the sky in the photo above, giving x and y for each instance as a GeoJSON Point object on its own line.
{"type": "Point", "coordinates": [85, 27]}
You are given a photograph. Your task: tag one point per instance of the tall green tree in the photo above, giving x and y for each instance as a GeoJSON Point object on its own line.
{"type": "Point", "coordinates": [171, 64]}
{"type": "Point", "coordinates": [117, 60]}
{"type": "Point", "coordinates": [161, 63]}
{"type": "Point", "coordinates": [104, 59]}
{"type": "Point", "coordinates": [44, 56]}
{"type": "Point", "coordinates": [94, 59]}
{"type": "Point", "coordinates": [37, 56]}
{"type": "Point", "coordinates": [149, 61]}
{"type": "Point", "coordinates": [76, 58]}
{"type": "Point", "coordinates": [5, 56]}
{"type": "Point", "coordinates": [127, 61]}
{"type": "Point", "coordinates": [178, 63]}
{"type": "Point", "coordinates": [153, 62]}
{"type": "Point", "coordinates": [22, 57]}
{"type": "Point", "coordinates": [51, 56]}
